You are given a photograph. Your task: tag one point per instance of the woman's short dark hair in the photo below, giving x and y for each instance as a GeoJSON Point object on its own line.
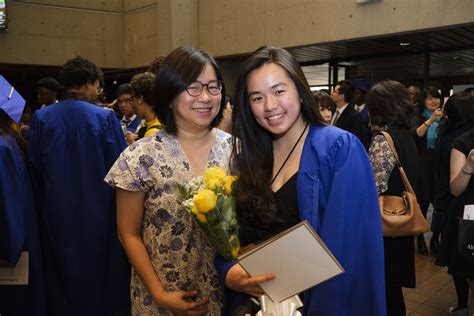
{"type": "Point", "coordinates": [142, 86]}
{"type": "Point", "coordinates": [323, 100]}
{"type": "Point", "coordinates": [429, 91]}
{"type": "Point", "coordinates": [78, 72]}
{"type": "Point", "coordinates": [389, 104]}
{"type": "Point", "coordinates": [177, 71]}
{"type": "Point", "coordinates": [252, 147]}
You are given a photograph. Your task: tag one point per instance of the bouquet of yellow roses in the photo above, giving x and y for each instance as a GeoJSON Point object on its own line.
{"type": "Point", "coordinates": [209, 199]}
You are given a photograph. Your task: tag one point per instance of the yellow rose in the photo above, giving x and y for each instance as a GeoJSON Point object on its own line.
{"type": "Point", "coordinates": [213, 177]}
{"type": "Point", "coordinates": [202, 218]}
{"type": "Point", "coordinates": [205, 201]}
{"type": "Point", "coordinates": [228, 183]}
{"type": "Point", "coordinates": [212, 183]}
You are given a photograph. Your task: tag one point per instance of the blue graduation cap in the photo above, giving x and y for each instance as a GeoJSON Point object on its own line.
{"type": "Point", "coordinates": [11, 102]}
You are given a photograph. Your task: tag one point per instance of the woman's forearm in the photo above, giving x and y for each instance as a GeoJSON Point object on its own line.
{"type": "Point", "coordinates": [460, 173]}
{"type": "Point", "coordinates": [421, 130]}
{"type": "Point", "coordinates": [141, 263]}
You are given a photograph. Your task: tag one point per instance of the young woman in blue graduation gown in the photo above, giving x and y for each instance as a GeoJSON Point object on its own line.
{"type": "Point", "coordinates": [292, 168]}
{"type": "Point", "coordinates": [18, 226]}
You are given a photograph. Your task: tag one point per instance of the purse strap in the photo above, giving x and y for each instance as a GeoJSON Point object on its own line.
{"type": "Point", "coordinates": [407, 184]}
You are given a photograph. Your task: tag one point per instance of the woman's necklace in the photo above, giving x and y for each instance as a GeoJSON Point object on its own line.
{"type": "Point", "coordinates": [289, 154]}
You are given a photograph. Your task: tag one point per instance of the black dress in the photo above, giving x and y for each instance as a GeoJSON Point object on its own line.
{"type": "Point", "coordinates": [457, 265]}
{"type": "Point", "coordinates": [427, 164]}
{"type": "Point", "coordinates": [400, 251]}
{"type": "Point", "coordinates": [288, 216]}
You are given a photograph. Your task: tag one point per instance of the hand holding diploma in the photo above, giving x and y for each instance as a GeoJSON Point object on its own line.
{"type": "Point", "coordinates": [239, 280]}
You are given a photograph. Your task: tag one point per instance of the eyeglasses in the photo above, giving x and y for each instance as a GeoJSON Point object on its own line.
{"type": "Point", "coordinates": [195, 89]}
{"type": "Point", "coordinates": [100, 90]}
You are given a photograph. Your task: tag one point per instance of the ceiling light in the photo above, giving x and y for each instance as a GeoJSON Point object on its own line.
{"type": "Point", "coordinates": [404, 44]}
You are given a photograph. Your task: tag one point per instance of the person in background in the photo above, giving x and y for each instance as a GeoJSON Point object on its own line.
{"type": "Point", "coordinates": [124, 94]}
{"type": "Point", "coordinates": [459, 120]}
{"type": "Point", "coordinates": [414, 93]}
{"type": "Point", "coordinates": [226, 122]}
{"type": "Point", "coordinates": [325, 105]}
{"type": "Point", "coordinates": [19, 232]}
{"type": "Point", "coordinates": [388, 104]}
{"type": "Point", "coordinates": [462, 187]}
{"type": "Point", "coordinates": [47, 90]}
{"type": "Point", "coordinates": [173, 262]}
{"type": "Point", "coordinates": [345, 116]}
{"type": "Point", "coordinates": [142, 86]}
{"type": "Point", "coordinates": [70, 148]}
{"type": "Point", "coordinates": [294, 167]}
{"type": "Point", "coordinates": [360, 91]}
{"type": "Point", "coordinates": [155, 64]}
{"type": "Point", "coordinates": [426, 119]}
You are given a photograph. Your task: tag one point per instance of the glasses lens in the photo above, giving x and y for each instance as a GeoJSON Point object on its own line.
{"type": "Point", "coordinates": [214, 87]}
{"type": "Point", "coordinates": [100, 90]}
{"type": "Point", "coordinates": [195, 89]}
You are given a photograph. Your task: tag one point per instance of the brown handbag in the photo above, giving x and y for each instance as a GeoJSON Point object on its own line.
{"type": "Point", "coordinates": [401, 215]}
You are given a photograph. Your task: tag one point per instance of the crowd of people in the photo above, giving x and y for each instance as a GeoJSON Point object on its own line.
{"type": "Point", "coordinates": [90, 196]}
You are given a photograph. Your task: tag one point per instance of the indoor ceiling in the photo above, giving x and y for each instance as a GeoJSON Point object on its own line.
{"type": "Point", "coordinates": [396, 56]}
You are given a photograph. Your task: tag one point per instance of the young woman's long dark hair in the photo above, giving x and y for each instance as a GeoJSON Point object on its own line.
{"type": "Point", "coordinates": [8, 132]}
{"type": "Point", "coordinates": [253, 145]}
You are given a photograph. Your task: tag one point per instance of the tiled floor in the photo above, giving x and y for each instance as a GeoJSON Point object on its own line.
{"type": "Point", "coordinates": [435, 291]}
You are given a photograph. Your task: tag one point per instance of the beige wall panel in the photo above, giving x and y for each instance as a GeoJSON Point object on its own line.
{"type": "Point", "coordinates": [129, 5]}
{"type": "Point", "coordinates": [164, 25]}
{"type": "Point", "coordinates": [107, 5]}
{"type": "Point", "coordinates": [185, 23]}
{"type": "Point", "coordinates": [244, 36]}
{"type": "Point", "coordinates": [298, 22]}
{"type": "Point", "coordinates": [141, 37]}
{"type": "Point", "coordinates": [47, 39]}
{"type": "Point", "coordinates": [43, 52]}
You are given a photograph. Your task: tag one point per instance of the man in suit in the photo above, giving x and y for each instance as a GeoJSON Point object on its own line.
{"type": "Point", "coordinates": [345, 116]}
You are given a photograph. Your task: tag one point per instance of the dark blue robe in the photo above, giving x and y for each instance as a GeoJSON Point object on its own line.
{"type": "Point", "coordinates": [338, 197]}
{"type": "Point", "coordinates": [71, 147]}
{"type": "Point", "coordinates": [18, 233]}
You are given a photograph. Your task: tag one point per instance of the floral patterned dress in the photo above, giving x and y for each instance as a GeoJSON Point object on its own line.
{"type": "Point", "coordinates": [179, 252]}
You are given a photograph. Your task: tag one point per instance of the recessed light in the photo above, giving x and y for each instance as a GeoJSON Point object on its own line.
{"type": "Point", "coordinates": [404, 44]}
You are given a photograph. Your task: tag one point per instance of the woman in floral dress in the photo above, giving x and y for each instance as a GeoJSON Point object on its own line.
{"type": "Point", "coordinates": [173, 263]}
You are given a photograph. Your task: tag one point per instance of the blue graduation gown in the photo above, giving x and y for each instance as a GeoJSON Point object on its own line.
{"type": "Point", "coordinates": [338, 197]}
{"type": "Point", "coordinates": [18, 233]}
{"type": "Point", "coordinates": [71, 147]}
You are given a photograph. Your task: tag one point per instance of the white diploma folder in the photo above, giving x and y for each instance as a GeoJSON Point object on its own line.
{"type": "Point", "coordinates": [297, 256]}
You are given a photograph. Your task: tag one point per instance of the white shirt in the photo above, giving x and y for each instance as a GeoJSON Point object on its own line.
{"type": "Point", "coordinates": [359, 108]}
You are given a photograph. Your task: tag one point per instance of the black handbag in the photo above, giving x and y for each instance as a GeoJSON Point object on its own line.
{"type": "Point", "coordinates": [466, 238]}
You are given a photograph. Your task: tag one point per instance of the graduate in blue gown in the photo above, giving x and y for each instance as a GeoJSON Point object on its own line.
{"type": "Point", "coordinates": [292, 168]}
{"type": "Point", "coordinates": [71, 147]}
{"type": "Point", "coordinates": [18, 219]}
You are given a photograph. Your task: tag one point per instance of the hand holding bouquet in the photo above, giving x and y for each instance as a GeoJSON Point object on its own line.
{"type": "Point", "coordinates": [209, 199]}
